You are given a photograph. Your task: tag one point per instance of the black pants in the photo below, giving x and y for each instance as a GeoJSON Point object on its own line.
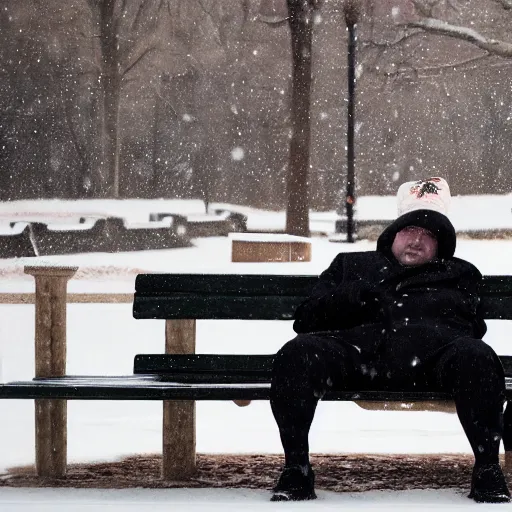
{"type": "Point", "coordinates": [310, 364]}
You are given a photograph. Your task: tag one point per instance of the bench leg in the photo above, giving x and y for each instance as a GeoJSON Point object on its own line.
{"type": "Point", "coordinates": [51, 438]}
{"type": "Point", "coordinates": [179, 440]}
{"type": "Point", "coordinates": [507, 438]}
{"type": "Point", "coordinates": [179, 425]}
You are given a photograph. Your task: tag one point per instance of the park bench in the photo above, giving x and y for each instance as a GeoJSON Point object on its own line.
{"type": "Point", "coordinates": [180, 377]}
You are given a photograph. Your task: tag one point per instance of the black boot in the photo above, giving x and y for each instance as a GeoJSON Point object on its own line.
{"type": "Point", "coordinates": [296, 483]}
{"type": "Point", "coordinates": [488, 484]}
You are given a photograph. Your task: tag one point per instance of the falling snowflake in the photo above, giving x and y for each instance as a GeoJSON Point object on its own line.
{"type": "Point", "coordinates": [237, 154]}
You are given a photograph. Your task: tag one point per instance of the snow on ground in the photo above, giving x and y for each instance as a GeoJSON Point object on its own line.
{"type": "Point", "coordinates": [221, 500]}
{"type": "Point", "coordinates": [466, 212]}
{"type": "Point", "coordinates": [103, 339]}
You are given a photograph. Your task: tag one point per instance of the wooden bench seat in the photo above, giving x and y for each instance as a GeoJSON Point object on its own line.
{"type": "Point", "coordinates": [153, 387]}
{"type": "Point", "coordinates": [197, 377]}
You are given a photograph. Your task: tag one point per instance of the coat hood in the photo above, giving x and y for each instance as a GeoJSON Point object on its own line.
{"type": "Point", "coordinates": [435, 222]}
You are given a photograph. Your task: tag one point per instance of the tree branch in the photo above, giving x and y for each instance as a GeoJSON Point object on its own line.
{"type": "Point", "coordinates": [246, 8]}
{"type": "Point", "coordinates": [138, 17]}
{"type": "Point", "coordinates": [430, 71]}
{"type": "Point", "coordinates": [424, 7]}
{"type": "Point", "coordinates": [74, 137]}
{"type": "Point", "coordinates": [506, 4]}
{"type": "Point", "coordinates": [205, 10]}
{"type": "Point", "coordinates": [435, 26]}
{"type": "Point", "coordinates": [427, 71]}
{"type": "Point", "coordinates": [142, 44]}
{"type": "Point", "coordinates": [391, 44]}
{"type": "Point", "coordinates": [215, 22]}
{"type": "Point", "coordinates": [137, 60]}
{"type": "Point", "coordinates": [454, 5]}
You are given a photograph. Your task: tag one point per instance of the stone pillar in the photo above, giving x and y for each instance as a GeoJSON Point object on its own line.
{"type": "Point", "coordinates": [179, 421]}
{"type": "Point", "coordinates": [50, 361]}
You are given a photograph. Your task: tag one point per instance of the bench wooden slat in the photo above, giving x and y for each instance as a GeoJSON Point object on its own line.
{"type": "Point", "coordinates": [177, 307]}
{"type": "Point", "coordinates": [129, 388]}
{"type": "Point", "coordinates": [264, 284]}
{"type": "Point", "coordinates": [259, 297]}
{"type": "Point", "coordinates": [497, 308]}
{"type": "Point", "coordinates": [230, 366]}
{"type": "Point", "coordinates": [496, 285]}
{"type": "Point", "coordinates": [224, 367]}
{"type": "Point", "coordinates": [506, 361]}
{"type": "Point", "coordinates": [225, 284]}
{"type": "Point", "coordinates": [219, 307]}
{"type": "Point", "coordinates": [152, 387]}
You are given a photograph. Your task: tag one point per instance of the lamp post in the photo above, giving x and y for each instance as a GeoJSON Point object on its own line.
{"type": "Point", "coordinates": [351, 13]}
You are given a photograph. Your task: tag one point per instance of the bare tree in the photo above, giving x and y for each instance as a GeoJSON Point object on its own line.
{"type": "Point", "coordinates": [37, 157]}
{"type": "Point", "coordinates": [130, 34]}
{"type": "Point", "coordinates": [434, 25]}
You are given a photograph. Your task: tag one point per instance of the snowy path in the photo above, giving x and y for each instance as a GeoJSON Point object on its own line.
{"type": "Point", "coordinates": [195, 500]}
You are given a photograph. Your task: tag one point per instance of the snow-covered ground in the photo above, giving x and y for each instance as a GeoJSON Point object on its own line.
{"type": "Point", "coordinates": [466, 212]}
{"type": "Point", "coordinates": [221, 500]}
{"type": "Point", "coordinates": [103, 339]}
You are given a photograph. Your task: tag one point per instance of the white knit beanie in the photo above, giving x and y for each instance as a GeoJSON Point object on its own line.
{"type": "Point", "coordinates": [427, 194]}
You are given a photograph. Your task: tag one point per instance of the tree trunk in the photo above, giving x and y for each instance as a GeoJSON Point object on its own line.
{"type": "Point", "coordinates": [301, 28]}
{"type": "Point", "coordinates": [111, 87]}
{"type": "Point", "coordinates": [111, 81]}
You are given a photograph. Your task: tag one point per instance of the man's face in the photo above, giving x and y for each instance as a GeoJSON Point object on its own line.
{"type": "Point", "coordinates": [414, 246]}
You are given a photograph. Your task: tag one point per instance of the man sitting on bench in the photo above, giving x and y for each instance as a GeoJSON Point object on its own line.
{"type": "Point", "coordinates": [403, 317]}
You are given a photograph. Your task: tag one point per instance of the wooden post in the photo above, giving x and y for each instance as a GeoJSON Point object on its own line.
{"type": "Point", "coordinates": [50, 359]}
{"type": "Point", "coordinates": [179, 421]}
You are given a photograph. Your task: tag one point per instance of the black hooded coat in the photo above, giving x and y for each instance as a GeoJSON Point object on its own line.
{"type": "Point", "coordinates": [401, 315]}
{"type": "Point", "coordinates": [372, 323]}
